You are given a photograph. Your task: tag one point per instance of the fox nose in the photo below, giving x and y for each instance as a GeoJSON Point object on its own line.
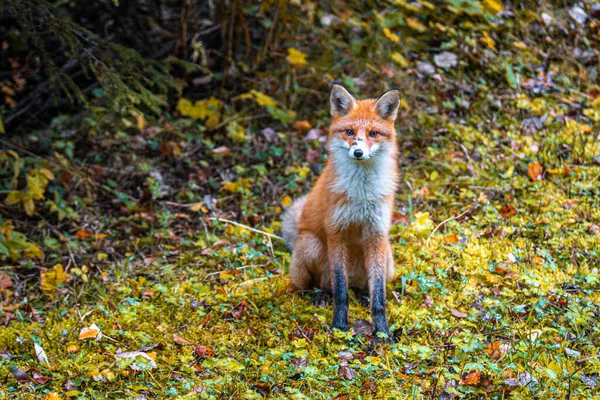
{"type": "Point", "coordinates": [358, 153]}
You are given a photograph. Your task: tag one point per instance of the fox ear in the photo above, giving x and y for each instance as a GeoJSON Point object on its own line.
{"type": "Point", "coordinates": [342, 102]}
{"type": "Point", "coordinates": [387, 104]}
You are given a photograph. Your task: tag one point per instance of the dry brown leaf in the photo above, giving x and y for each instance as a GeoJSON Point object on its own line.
{"type": "Point", "coordinates": [458, 314]}
{"type": "Point", "coordinates": [83, 234]}
{"type": "Point", "coordinates": [181, 341]}
{"type": "Point", "coordinates": [203, 351]}
{"type": "Point", "coordinates": [535, 171]}
{"type": "Point", "coordinates": [346, 372]}
{"type": "Point", "coordinates": [368, 387]}
{"type": "Point", "coordinates": [240, 309]}
{"type": "Point", "coordinates": [471, 378]}
{"type": "Point", "coordinates": [302, 125]}
{"type": "Point", "coordinates": [5, 282]}
{"type": "Point", "coordinates": [507, 211]}
{"type": "Point", "coordinates": [91, 332]}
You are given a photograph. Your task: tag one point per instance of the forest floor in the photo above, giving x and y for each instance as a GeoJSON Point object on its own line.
{"type": "Point", "coordinates": [139, 277]}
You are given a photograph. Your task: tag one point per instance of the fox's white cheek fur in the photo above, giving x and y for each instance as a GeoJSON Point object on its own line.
{"type": "Point", "coordinates": [365, 184]}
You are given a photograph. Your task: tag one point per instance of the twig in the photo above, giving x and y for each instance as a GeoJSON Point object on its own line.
{"type": "Point", "coordinates": [588, 358]}
{"type": "Point", "coordinates": [443, 222]}
{"type": "Point", "coordinates": [469, 159]}
{"type": "Point", "coordinates": [247, 227]}
{"type": "Point", "coordinates": [589, 185]}
{"type": "Point", "coordinates": [174, 204]}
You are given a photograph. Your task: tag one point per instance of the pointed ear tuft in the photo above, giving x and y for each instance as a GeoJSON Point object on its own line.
{"type": "Point", "coordinates": [387, 104]}
{"type": "Point", "coordinates": [342, 102]}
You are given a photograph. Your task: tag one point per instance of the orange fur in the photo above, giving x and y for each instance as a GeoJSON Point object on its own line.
{"type": "Point", "coordinates": [315, 225]}
{"type": "Point", "coordinates": [361, 246]}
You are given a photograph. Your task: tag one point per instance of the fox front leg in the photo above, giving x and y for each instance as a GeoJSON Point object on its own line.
{"type": "Point", "coordinates": [376, 264]}
{"type": "Point", "coordinates": [339, 284]}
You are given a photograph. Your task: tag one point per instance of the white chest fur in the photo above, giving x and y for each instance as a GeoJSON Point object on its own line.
{"type": "Point", "coordinates": [365, 184]}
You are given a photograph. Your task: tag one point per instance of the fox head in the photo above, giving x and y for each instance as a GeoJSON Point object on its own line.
{"type": "Point", "coordinates": [362, 129]}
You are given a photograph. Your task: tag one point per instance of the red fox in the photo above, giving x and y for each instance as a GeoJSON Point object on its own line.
{"type": "Point", "coordinates": [338, 233]}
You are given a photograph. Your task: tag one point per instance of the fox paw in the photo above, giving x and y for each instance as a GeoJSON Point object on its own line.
{"type": "Point", "coordinates": [321, 299]}
{"type": "Point", "coordinates": [383, 337]}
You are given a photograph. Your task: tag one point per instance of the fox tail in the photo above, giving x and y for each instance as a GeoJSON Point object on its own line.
{"type": "Point", "coordinates": [289, 223]}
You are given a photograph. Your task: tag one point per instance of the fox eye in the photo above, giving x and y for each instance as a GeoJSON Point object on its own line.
{"type": "Point", "coordinates": [373, 134]}
{"type": "Point", "coordinates": [349, 132]}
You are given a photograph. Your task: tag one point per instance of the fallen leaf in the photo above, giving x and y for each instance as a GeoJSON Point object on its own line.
{"type": "Point", "coordinates": [20, 375]}
{"type": "Point", "coordinates": [299, 362]}
{"type": "Point", "coordinates": [451, 239]}
{"type": "Point", "coordinates": [5, 282]}
{"type": "Point", "coordinates": [368, 387]}
{"type": "Point", "coordinates": [240, 309]}
{"type": "Point", "coordinates": [296, 57]}
{"type": "Point", "coordinates": [134, 355]}
{"type": "Point", "coordinates": [535, 171]}
{"type": "Point", "coordinates": [507, 211]}
{"type": "Point", "coordinates": [458, 314]}
{"type": "Point", "coordinates": [40, 379]}
{"type": "Point", "coordinates": [72, 348]}
{"type": "Point", "coordinates": [203, 351]}
{"type": "Point", "coordinates": [91, 332]}
{"type": "Point", "coordinates": [346, 372]}
{"type": "Point", "coordinates": [302, 125]}
{"type": "Point", "coordinates": [181, 341]}
{"type": "Point", "coordinates": [303, 333]}
{"type": "Point", "coordinates": [221, 151]}
{"type": "Point", "coordinates": [83, 234]}
{"type": "Point", "coordinates": [497, 349]}
{"type": "Point", "coordinates": [146, 294]}
{"type": "Point", "coordinates": [52, 396]}
{"type": "Point", "coordinates": [471, 378]}
{"type": "Point", "coordinates": [524, 379]}
{"type": "Point", "coordinates": [41, 354]}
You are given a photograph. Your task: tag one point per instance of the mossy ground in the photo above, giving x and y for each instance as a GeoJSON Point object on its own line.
{"type": "Point", "coordinates": [496, 239]}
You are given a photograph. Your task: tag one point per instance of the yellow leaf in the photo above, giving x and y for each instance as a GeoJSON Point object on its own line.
{"type": "Point", "coordinates": [47, 173]}
{"type": "Point", "coordinates": [14, 197]}
{"type": "Point", "coordinates": [422, 222]}
{"type": "Point", "coordinates": [391, 35]}
{"type": "Point", "coordinates": [196, 207]}
{"type": "Point", "coordinates": [520, 45]}
{"type": "Point", "coordinates": [296, 57]}
{"type": "Point", "coordinates": [399, 59]}
{"type": "Point", "coordinates": [33, 251]}
{"type": "Point", "coordinates": [262, 99]}
{"type": "Point", "coordinates": [91, 332]}
{"type": "Point", "coordinates": [2, 125]}
{"type": "Point", "coordinates": [488, 41]}
{"type": "Point", "coordinates": [184, 106]}
{"type": "Point", "coordinates": [72, 348]}
{"type": "Point", "coordinates": [52, 396]}
{"type": "Point", "coordinates": [235, 132]}
{"type": "Point", "coordinates": [28, 205]}
{"type": "Point", "coordinates": [52, 278]}
{"type": "Point", "coordinates": [287, 201]}
{"type": "Point", "coordinates": [231, 187]}
{"type": "Point", "coordinates": [493, 5]}
{"type": "Point", "coordinates": [414, 23]}
{"type": "Point", "coordinates": [140, 121]}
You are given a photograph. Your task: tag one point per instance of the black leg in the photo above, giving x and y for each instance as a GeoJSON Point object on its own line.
{"type": "Point", "coordinates": [340, 299]}
{"type": "Point", "coordinates": [378, 308]}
